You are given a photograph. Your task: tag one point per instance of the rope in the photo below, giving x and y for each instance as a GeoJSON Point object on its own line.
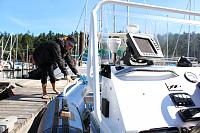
{"type": "Point", "coordinates": [81, 16]}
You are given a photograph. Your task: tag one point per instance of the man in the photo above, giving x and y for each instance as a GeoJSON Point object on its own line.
{"type": "Point", "coordinates": [51, 53]}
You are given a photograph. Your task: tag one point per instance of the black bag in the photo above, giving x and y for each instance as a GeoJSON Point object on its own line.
{"type": "Point", "coordinates": [35, 74]}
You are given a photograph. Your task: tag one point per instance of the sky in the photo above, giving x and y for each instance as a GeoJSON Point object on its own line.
{"type": "Point", "coordinates": [59, 16]}
{"type": "Point", "coordinates": [38, 16]}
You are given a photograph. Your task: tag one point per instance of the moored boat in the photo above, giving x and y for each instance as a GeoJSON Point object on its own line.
{"type": "Point", "coordinates": [134, 90]}
{"type": "Point", "coordinates": [67, 112]}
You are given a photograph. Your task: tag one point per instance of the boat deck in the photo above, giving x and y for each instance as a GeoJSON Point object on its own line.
{"type": "Point", "coordinates": [25, 104]}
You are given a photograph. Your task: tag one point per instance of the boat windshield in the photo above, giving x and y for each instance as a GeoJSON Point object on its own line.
{"type": "Point", "coordinates": [111, 49]}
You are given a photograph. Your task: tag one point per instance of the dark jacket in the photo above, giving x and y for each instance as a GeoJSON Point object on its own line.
{"type": "Point", "coordinates": [68, 60]}
{"type": "Point", "coordinates": [50, 52]}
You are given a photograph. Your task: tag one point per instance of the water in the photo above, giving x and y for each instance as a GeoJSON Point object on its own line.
{"type": "Point", "coordinates": [13, 74]}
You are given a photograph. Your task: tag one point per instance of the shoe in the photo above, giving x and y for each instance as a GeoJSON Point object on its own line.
{"type": "Point", "coordinates": [45, 97]}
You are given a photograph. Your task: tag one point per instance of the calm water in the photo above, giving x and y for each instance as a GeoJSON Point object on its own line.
{"type": "Point", "coordinates": [13, 74]}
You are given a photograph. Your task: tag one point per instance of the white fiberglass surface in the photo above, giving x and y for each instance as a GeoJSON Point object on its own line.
{"type": "Point", "coordinates": [146, 104]}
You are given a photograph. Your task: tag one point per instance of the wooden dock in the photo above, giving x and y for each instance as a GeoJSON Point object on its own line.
{"type": "Point", "coordinates": [25, 103]}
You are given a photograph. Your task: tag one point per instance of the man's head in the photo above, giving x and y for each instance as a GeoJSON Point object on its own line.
{"type": "Point", "coordinates": [69, 42]}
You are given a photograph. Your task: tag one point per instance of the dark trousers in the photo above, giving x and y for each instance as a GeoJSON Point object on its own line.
{"type": "Point", "coordinates": [47, 70]}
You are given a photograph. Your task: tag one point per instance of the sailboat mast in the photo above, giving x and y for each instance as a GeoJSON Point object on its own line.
{"type": "Point", "coordinates": [85, 20]}
{"type": "Point", "coordinates": [16, 49]}
{"type": "Point", "coordinates": [167, 39]}
{"type": "Point", "coordinates": [2, 41]}
{"type": "Point", "coordinates": [194, 30]}
{"type": "Point", "coordinates": [127, 14]}
{"type": "Point", "coordinates": [188, 48]}
{"type": "Point", "coordinates": [114, 19]}
{"type": "Point", "coordinates": [11, 43]}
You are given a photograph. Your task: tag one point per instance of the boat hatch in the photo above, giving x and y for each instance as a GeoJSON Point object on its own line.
{"type": "Point", "coordinates": [147, 75]}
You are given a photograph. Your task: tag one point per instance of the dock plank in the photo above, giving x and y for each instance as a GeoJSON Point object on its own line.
{"type": "Point", "coordinates": [26, 102]}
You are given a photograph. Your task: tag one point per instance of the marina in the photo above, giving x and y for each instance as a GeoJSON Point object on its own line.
{"type": "Point", "coordinates": [17, 74]}
{"type": "Point", "coordinates": [129, 78]}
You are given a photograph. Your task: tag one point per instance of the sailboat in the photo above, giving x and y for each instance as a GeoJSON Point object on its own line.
{"type": "Point", "coordinates": [128, 87]}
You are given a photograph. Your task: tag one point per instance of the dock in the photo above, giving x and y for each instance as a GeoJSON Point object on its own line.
{"type": "Point", "coordinates": [23, 106]}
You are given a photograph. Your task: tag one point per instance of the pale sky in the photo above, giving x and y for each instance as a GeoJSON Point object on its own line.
{"type": "Point", "coordinates": [59, 16]}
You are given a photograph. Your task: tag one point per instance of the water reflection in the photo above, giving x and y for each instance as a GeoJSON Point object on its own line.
{"type": "Point", "coordinates": [13, 74]}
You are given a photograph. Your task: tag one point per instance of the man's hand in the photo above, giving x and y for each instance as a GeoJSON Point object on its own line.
{"type": "Point", "coordinates": [69, 79]}
{"type": "Point", "coordinates": [78, 75]}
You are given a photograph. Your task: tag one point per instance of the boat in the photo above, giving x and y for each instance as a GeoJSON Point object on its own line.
{"type": "Point", "coordinates": [129, 87]}
{"type": "Point", "coordinates": [63, 115]}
